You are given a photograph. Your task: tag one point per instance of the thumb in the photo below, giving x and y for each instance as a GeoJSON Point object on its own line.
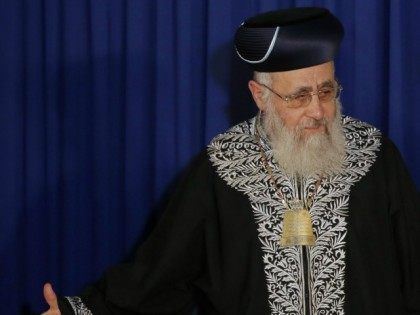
{"type": "Point", "coordinates": [50, 296]}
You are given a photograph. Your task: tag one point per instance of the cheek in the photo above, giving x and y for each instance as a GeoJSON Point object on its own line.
{"type": "Point", "coordinates": [291, 118]}
{"type": "Point", "coordinates": [330, 112]}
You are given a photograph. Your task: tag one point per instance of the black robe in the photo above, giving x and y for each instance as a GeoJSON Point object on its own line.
{"type": "Point", "coordinates": [217, 242]}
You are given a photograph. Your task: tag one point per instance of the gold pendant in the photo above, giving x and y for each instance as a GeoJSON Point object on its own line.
{"type": "Point", "coordinates": [297, 226]}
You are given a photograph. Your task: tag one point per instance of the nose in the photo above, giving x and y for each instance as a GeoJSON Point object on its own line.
{"type": "Point", "coordinates": [315, 108]}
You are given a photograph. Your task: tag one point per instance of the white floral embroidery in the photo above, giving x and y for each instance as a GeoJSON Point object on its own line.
{"type": "Point", "coordinates": [79, 308]}
{"type": "Point", "coordinates": [237, 159]}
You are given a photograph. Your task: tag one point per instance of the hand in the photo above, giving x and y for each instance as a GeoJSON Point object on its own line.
{"type": "Point", "coordinates": [51, 299]}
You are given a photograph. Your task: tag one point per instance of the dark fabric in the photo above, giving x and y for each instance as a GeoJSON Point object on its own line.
{"type": "Point", "coordinates": [300, 38]}
{"type": "Point", "coordinates": [285, 17]}
{"type": "Point", "coordinates": [207, 241]}
{"type": "Point", "coordinates": [64, 306]}
{"type": "Point", "coordinates": [383, 275]}
{"type": "Point", "coordinates": [102, 103]}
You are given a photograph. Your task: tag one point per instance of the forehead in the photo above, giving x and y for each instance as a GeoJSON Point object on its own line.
{"type": "Point", "coordinates": [306, 77]}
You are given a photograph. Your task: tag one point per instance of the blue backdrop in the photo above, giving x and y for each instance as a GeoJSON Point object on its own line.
{"type": "Point", "coordinates": [103, 102]}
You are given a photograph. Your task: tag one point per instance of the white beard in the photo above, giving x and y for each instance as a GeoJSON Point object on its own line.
{"type": "Point", "coordinates": [318, 154]}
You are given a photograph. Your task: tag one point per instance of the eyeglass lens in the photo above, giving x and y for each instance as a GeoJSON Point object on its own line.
{"type": "Point", "coordinates": [324, 96]}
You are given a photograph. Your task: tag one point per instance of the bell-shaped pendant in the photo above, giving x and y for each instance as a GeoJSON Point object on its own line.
{"type": "Point", "coordinates": [297, 228]}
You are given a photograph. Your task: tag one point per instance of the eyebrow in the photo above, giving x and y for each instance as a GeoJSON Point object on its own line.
{"type": "Point", "coordinates": [303, 89]}
{"type": "Point", "coordinates": [328, 83]}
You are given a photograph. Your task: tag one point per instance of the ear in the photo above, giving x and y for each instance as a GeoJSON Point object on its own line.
{"type": "Point", "coordinates": [257, 93]}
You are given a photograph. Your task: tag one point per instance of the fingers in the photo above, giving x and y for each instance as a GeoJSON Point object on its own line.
{"type": "Point", "coordinates": [50, 297]}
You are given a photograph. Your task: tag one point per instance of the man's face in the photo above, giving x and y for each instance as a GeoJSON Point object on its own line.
{"type": "Point", "coordinates": [311, 119]}
{"type": "Point", "coordinates": [309, 139]}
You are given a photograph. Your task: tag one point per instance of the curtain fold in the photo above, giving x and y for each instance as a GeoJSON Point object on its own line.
{"type": "Point", "coordinates": [103, 103]}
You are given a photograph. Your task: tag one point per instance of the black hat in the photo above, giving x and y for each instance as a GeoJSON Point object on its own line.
{"type": "Point", "coordinates": [289, 39]}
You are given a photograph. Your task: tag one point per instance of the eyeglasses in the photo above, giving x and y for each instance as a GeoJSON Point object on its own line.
{"type": "Point", "coordinates": [303, 99]}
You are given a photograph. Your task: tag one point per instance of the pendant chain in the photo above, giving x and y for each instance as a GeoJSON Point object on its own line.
{"type": "Point", "coordinates": [297, 223]}
{"type": "Point", "coordinates": [311, 196]}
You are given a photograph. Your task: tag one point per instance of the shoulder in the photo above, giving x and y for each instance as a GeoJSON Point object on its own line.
{"type": "Point", "coordinates": [240, 133]}
{"type": "Point", "coordinates": [363, 141]}
{"type": "Point", "coordinates": [234, 148]}
{"type": "Point", "coordinates": [353, 126]}
{"type": "Point", "coordinates": [198, 169]}
{"type": "Point", "coordinates": [366, 138]}
{"type": "Point", "coordinates": [359, 130]}
{"type": "Point", "coordinates": [369, 141]}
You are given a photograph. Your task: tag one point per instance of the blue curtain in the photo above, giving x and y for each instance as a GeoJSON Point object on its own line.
{"type": "Point", "coordinates": [104, 102]}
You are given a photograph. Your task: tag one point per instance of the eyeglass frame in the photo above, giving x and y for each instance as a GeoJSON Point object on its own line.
{"type": "Point", "coordinates": [288, 98]}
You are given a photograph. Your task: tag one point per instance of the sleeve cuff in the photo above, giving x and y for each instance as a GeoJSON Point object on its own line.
{"type": "Point", "coordinates": [73, 305]}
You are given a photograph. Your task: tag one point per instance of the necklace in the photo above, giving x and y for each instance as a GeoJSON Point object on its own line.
{"type": "Point", "coordinates": [297, 223]}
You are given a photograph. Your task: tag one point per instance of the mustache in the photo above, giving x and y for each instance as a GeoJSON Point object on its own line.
{"type": "Point", "coordinates": [313, 123]}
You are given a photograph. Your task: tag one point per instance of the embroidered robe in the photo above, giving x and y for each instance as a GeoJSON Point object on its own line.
{"type": "Point", "coordinates": [218, 241]}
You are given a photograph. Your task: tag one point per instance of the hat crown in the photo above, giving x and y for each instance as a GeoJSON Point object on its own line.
{"type": "Point", "coordinates": [289, 39]}
{"type": "Point", "coordinates": [285, 17]}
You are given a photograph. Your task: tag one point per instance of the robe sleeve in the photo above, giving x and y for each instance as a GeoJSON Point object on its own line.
{"type": "Point", "coordinates": [159, 280]}
{"type": "Point", "coordinates": [405, 211]}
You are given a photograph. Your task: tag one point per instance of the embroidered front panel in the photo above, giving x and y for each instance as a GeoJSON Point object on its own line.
{"type": "Point", "coordinates": [237, 159]}
{"type": "Point", "coordinates": [79, 308]}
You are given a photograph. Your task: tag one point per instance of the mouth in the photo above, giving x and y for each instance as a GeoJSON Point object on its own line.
{"type": "Point", "coordinates": [315, 128]}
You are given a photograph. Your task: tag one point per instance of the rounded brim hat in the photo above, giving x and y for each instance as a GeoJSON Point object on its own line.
{"type": "Point", "coordinates": [289, 39]}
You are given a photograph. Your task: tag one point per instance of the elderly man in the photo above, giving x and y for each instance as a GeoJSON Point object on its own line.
{"type": "Point", "coordinates": [299, 210]}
